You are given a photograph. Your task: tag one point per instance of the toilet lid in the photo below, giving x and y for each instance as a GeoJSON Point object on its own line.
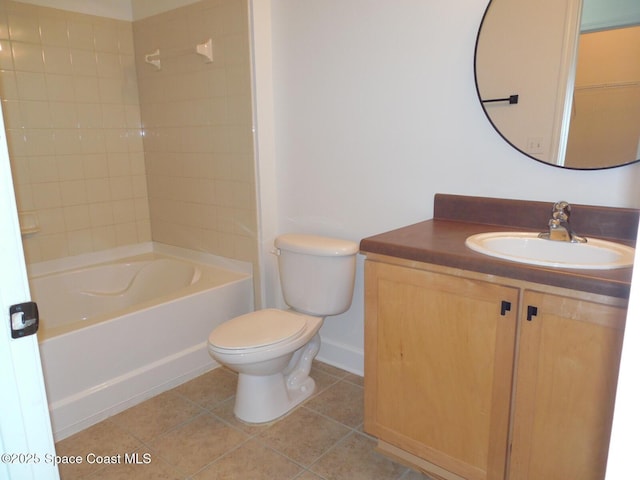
{"type": "Point", "coordinates": [258, 329]}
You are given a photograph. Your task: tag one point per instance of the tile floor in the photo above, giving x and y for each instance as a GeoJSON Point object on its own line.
{"type": "Point", "coordinates": [190, 432]}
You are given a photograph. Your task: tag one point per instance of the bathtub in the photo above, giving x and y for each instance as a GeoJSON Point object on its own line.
{"type": "Point", "coordinates": [121, 326]}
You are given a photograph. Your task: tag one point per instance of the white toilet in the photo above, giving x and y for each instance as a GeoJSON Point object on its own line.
{"type": "Point", "coordinates": [272, 349]}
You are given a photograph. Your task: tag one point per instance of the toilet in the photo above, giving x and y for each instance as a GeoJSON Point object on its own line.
{"type": "Point", "coordinates": [272, 349]}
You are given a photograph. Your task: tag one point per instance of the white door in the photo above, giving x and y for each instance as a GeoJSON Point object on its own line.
{"type": "Point", "coordinates": [26, 441]}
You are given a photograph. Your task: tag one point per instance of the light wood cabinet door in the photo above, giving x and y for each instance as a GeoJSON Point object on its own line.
{"type": "Point", "coordinates": [566, 373]}
{"type": "Point", "coordinates": [438, 367]}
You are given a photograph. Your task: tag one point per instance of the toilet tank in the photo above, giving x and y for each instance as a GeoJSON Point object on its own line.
{"type": "Point", "coordinates": [317, 274]}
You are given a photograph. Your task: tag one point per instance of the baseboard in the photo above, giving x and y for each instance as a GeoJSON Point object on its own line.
{"type": "Point", "coordinates": [342, 356]}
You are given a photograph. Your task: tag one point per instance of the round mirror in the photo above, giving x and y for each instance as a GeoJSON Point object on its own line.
{"type": "Point", "coordinates": [560, 79]}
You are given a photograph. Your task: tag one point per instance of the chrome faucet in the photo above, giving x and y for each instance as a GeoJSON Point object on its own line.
{"type": "Point", "coordinates": [559, 227]}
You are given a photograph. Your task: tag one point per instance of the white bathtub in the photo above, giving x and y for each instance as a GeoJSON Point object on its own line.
{"type": "Point", "coordinates": [121, 326]}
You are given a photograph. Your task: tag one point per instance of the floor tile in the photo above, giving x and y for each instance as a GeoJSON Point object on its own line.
{"type": "Point", "coordinates": [355, 458]}
{"type": "Point", "coordinates": [149, 419]}
{"type": "Point", "coordinates": [415, 475]}
{"type": "Point", "coordinates": [155, 470]}
{"type": "Point", "coordinates": [211, 388]}
{"type": "Point", "coordinates": [251, 460]}
{"type": "Point", "coordinates": [191, 432]}
{"type": "Point", "coordinates": [330, 369]}
{"type": "Point", "coordinates": [357, 379]}
{"type": "Point", "coordinates": [343, 401]}
{"type": "Point", "coordinates": [323, 380]}
{"type": "Point", "coordinates": [307, 475]}
{"type": "Point", "coordinates": [197, 443]}
{"type": "Point", "coordinates": [303, 436]}
{"type": "Point", "coordinates": [102, 439]}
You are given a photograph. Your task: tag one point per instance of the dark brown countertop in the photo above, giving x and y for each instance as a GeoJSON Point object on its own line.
{"type": "Point", "coordinates": [441, 241]}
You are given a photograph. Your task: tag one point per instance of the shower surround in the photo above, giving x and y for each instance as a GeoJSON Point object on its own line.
{"type": "Point", "coordinates": [197, 123]}
{"type": "Point", "coordinates": [70, 101]}
{"type": "Point", "coordinates": [108, 151]}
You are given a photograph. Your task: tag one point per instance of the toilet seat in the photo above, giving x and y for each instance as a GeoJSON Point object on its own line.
{"type": "Point", "coordinates": [259, 329]}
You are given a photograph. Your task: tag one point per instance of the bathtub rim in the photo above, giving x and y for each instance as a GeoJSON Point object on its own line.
{"type": "Point", "coordinates": [135, 252]}
{"type": "Point", "coordinates": [84, 260]}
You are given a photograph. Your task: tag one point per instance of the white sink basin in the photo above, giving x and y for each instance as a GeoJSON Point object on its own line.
{"type": "Point", "coordinates": [528, 248]}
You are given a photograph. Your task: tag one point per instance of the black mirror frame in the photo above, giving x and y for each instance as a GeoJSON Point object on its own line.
{"type": "Point", "coordinates": [475, 76]}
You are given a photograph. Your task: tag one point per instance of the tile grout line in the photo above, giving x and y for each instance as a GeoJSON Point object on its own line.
{"type": "Point", "coordinates": [216, 410]}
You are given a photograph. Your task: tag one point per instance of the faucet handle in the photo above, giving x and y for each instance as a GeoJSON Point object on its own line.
{"type": "Point", "coordinates": [559, 228]}
{"type": "Point", "coordinates": [561, 210]}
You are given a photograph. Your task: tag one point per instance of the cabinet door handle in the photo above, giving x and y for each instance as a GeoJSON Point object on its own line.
{"type": "Point", "coordinates": [505, 307]}
{"type": "Point", "coordinates": [531, 312]}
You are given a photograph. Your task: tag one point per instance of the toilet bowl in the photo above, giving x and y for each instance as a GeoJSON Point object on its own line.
{"type": "Point", "coordinates": [272, 351]}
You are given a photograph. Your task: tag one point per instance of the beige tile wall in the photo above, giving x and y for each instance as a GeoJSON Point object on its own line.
{"type": "Point", "coordinates": [197, 121]}
{"type": "Point", "coordinates": [69, 95]}
{"type": "Point", "coordinates": [74, 89]}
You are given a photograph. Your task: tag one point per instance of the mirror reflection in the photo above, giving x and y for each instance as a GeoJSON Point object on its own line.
{"type": "Point", "coordinates": [575, 68]}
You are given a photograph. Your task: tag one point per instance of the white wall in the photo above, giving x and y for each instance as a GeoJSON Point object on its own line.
{"type": "Point", "coordinates": [375, 111]}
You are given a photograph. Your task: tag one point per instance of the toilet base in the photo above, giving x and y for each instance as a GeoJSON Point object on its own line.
{"type": "Point", "coordinates": [274, 400]}
{"type": "Point", "coordinates": [264, 398]}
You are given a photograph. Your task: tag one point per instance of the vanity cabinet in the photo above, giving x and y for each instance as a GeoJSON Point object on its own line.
{"type": "Point", "coordinates": [567, 371]}
{"type": "Point", "coordinates": [474, 376]}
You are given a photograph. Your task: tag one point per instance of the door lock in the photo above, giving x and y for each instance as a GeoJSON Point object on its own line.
{"type": "Point", "coordinates": [24, 319]}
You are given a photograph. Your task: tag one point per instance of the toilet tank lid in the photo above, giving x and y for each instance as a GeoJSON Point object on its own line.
{"type": "Point", "coordinates": [316, 245]}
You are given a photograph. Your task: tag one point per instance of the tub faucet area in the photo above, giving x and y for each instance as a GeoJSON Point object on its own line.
{"type": "Point", "coordinates": [559, 226]}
